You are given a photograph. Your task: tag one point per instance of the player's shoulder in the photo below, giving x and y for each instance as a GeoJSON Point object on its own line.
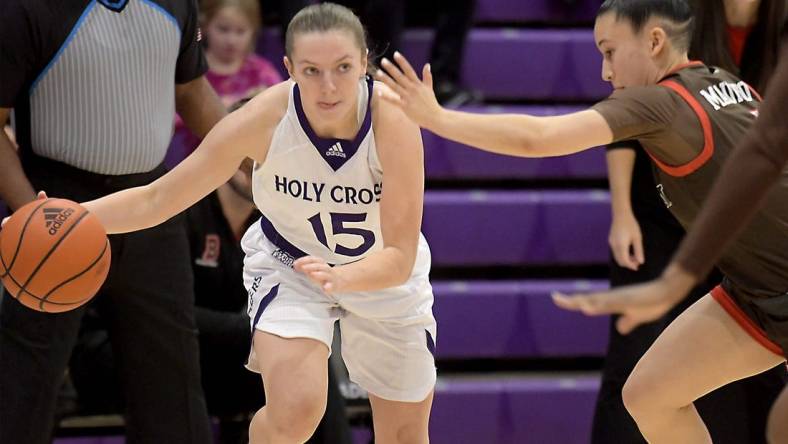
{"type": "Point", "coordinates": [270, 105]}
{"type": "Point", "coordinates": [657, 96]}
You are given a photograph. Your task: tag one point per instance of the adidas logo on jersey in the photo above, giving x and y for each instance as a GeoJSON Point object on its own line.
{"type": "Point", "coordinates": [55, 217]}
{"type": "Point", "coordinates": [336, 150]}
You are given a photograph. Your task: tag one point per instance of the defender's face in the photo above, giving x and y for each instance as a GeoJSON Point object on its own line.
{"type": "Point", "coordinates": [626, 55]}
{"type": "Point", "coordinates": [327, 67]}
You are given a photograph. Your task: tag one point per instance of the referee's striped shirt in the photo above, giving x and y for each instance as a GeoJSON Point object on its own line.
{"type": "Point", "coordinates": [92, 82]}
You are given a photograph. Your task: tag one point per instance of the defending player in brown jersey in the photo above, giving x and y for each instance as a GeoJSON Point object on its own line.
{"type": "Point", "coordinates": [689, 117]}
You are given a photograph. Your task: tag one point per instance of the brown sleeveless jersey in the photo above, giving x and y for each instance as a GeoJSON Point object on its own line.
{"type": "Point", "coordinates": [689, 123]}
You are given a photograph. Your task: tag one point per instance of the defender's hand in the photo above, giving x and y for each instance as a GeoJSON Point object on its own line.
{"type": "Point", "coordinates": [413, 96]}
{"type": "Point", "coordinates": [637, 304]}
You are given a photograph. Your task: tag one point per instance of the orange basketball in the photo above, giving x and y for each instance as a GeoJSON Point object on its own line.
{"type": "Point", "coordinates": [54, 255]}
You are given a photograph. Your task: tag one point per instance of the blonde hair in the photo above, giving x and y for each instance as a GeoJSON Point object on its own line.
{"type": "Point", "coordinates": [324, 17]}
{"type": "Point", "coordinates": [249, 8]}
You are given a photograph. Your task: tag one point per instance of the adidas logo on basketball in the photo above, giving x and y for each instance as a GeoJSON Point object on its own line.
{"type": "Point", "coordinates": [336, 150]}
{"type": "Point", "coordinates": [56, 217]}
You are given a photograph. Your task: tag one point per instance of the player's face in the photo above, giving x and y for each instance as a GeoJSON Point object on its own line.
{"type": "Point", "coordinates": [327, 67]}
{"type": "Point", "coordinates": [626, 56]}
{"type": "Point", "coordinates": [229, 34]}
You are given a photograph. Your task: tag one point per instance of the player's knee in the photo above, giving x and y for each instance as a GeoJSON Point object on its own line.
{"type": "Point", "coordinates": [298, 415]}
{"type": "Point", "coordinates": [646, 396]}
{"type": "Point", "coordinates": [636, 395]}
{"type": "Point", "coordinates": [412, 433]}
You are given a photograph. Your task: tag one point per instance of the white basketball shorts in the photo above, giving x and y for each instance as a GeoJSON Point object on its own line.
{"type": "Point", "coordinates": [388, 336]}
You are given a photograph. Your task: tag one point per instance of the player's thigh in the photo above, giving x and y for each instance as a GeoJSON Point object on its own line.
{"type": "Point", "coordinates": [777, 427]}
{"type": "Point", "coordinates": [294, 371]}
{"type": "Point", "coordinates": [391, 360]}
{"type": "Point", "coordinates": [702, 350]}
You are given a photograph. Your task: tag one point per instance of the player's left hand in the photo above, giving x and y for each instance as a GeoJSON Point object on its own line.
{"type": "Point", "coordinates": [637, 304]}
{"type": "Point", "coordinates": [413, 96]}
{"type": "Point", "coordinates": [322, 274]}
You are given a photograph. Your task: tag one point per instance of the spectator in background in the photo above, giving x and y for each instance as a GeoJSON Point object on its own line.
{"type": "Point", "coordinates": [93, 107]}
{"type": "Point", "coordinates": [229, 29]}
{"type": "Point", "coordinates": [451, 21]}
{"type": "Point", "coordinates": [644, 235]}
{"type": "Point", "coordinates": [743, 40]}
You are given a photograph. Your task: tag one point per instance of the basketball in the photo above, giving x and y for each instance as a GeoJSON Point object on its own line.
{"type": "Point", "coordinates": [54, 255]}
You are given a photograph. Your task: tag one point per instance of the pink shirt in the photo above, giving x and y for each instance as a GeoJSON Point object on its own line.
{"type": "Point", "coordinates": [255, 75]}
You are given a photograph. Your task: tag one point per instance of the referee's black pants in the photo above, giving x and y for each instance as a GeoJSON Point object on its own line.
{"type": "Point", "coordinates": [147, 301]}
{"type": "Point", "coordinates": [734, 414]}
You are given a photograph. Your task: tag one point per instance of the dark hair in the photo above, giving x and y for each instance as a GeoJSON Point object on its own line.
{"type": "Point", "coordinates": [759, 58]}
{"type": "Point", "coordinates": [638, 12]}
{"type": "Point", "coordinates": [323, 17]}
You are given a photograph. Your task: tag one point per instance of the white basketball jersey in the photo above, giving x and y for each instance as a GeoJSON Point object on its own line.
{"type": "Point", "coordinates": [321, 196]}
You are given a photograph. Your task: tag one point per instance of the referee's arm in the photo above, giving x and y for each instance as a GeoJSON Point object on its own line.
{"type": "Point", "coordinates": [198, 105]}
{"type": "Point", "coordinates": [15, 189]}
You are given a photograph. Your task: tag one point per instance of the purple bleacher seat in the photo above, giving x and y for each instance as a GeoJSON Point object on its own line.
{"type": "Point", "coordinates": [361, 435]}
{"type": "Point", "coordinates": [514, 319]}
{"type": "Point", "coordinates": [514, 409]}
{"type": "Point", "coordinates": [517, 227]}
{"type": "Point", "coordinates": [534, 64]}
{"type": "Point", "coordinates": [544, 11]}
{"type": "Point", "coordinates": [269, 45]}
{"type": "Point", "coordinates": [542, 64]}
{"type": "Point", "coordinates": [445, 159]}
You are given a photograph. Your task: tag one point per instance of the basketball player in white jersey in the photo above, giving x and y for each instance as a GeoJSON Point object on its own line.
{"type": "Point", "coordinates": [334, 242]}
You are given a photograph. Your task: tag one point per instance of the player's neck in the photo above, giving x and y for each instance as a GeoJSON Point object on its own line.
{"type": "Point", "coordinates": [344, 127]}
{"type": "Point", "coordinates": [672, 63]}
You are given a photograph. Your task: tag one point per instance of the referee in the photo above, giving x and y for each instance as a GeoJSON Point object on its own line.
{"type": "Point", "coordinates": [93, 86]}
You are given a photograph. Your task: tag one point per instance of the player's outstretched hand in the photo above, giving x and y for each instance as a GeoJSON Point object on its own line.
{"type": "Point", "coordinates": [319, 272]}
{"type": "Point", "coordinates": [415, 97]}
{"type": "Point", "coordinates": [41, 196]}
{"type": "Point", "coordinates": [637, 304]}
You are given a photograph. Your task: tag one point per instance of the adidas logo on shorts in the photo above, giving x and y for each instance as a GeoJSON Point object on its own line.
{"type": "Point", "coordinates": [336, 150]}
{"type": "Point", "coordinates": [284, 257]}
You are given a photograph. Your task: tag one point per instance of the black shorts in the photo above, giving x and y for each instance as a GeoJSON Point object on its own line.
{"type": "Point", "coordinates": [763, 318]}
